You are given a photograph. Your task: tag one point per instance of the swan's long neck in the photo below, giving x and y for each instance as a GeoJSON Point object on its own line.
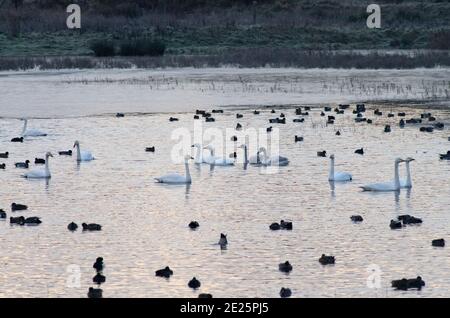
{"type": "Point", "coordinates": [25, 124]}
{"type": "Point", "coordinates": [211, 150]}
{"type": "Point", "coordinates": [47, 169]}
{"type": "Point", "coordinates": [198, 155]}
{"type": "Point", "coordinates": [78, 153]}
{"type": "Point", "coordinates": [264, 156]}
{"type": "Point", "coordinates": [245, 155]}
{"type": "Point", "coordinates": [408, 175]}
{"type": "Point", "coordinates": [188, 174]}
{"type": "Point", "coordinates": [331, 174]}
{"type": "Point", "coordinates": [396, 177]}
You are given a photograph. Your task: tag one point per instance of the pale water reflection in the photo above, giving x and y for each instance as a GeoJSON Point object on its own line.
{"type": "Point", "coordinates": [145, 225]}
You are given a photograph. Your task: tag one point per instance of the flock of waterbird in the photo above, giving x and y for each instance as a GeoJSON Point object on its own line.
{"type": "Point", "coordinates": [261, 158]}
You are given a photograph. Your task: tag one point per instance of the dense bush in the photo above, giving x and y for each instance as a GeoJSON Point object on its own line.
{"type": "Point", "coordinates": [142, 47]}
{"type": "Point", "coordinates": [440, 40]}
{"type": "Point", "coordinates": [102, 48]}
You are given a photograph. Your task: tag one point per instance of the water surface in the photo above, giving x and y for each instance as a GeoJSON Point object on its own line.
{"type": "Point", "coordinates": [145, 224]}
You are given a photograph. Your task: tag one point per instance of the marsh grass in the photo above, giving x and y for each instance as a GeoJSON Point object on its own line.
{"type": "Point", "coordinates": [251, 57]}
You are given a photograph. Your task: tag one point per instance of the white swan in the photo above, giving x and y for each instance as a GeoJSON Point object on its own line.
{"type": "Point", "coordinates": [388, 186]}
{"type": "Point", "coordinates": [82, 155]}
{"type": "Point", "coordinates": [31, 132]}
{"type": "Point", "coordinates": [253, 160]}
{"type": "Point", "coordinates": [407, 183]}
{"type": "Point", "coordinates": [199, 157]}
{"type": "Point", "coordinates": [43, 173]}
{"type": "Point", "coordinates": [216, 161]}
{"type": "Point", "coordinates": [337, 176]}
{"type": "Point", "coordinates": [175, 178]}
{"type": "Point", "coordinates": [274, 160]}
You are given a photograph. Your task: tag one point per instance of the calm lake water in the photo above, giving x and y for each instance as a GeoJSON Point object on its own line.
{"type": "Point", "coordinates": [145, 225]}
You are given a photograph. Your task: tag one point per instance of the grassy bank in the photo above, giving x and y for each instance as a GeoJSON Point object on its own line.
{"type": "Point", "coordinates": [237, 57]}
{"type": "Point", "coordinates": [215, 32]}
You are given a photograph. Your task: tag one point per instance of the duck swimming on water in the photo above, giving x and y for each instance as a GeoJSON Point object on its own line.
{"type": "Point", "coordinates": [17, 139]}
{"type": "Point", "coordinates": [95, 293]}
{"type": "Point", "coordinates": [72, 227]}
{"type": "Point", "coordinates": [18, 207]}
{"type": "Point", "coordinates": [91, 227]}
{"type": "Point", "coordinates": [405, 284]}
{"type": "Point", "coordinates": [194, 283]}
{"type": "Point", "coordinates": [223, 242]}
{"type": "Point", "coordinates": [438, 243]}
{"type": "Point", "coordinates": [23, 165]}
{"type": "Point", "coordinates": [193, 225]}
{"type": "Point", "coordinates": [33, 220]}
{"type": "Point", "coordinates": [285, 292]}
{"type": "Point", "coordinates": [166, 272]}
{"type": "Point", "coordinates": [285, 267]}
{"type": "Point", "coordinates": [356, 218]}
{"type": "Point", "coordinates": [98, 265]}
{"type": "Point", "coordinates": [99, 279]}
{"type": "Point", "coordinates": [445, 156]}
{"type": "Point", "coordinates": [39, 161]}
{"type": "Point", "coordinates": [326, 260]}
{"type": "Point", "coordinates": [17, 220]}
{"type": "Point", "coordinates": [65, 153]}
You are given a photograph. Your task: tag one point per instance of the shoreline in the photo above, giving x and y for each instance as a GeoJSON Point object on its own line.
{"type": "Point", "coordinates": [383, 105]}
{"type": "Point", "coordinates": [238, 58]}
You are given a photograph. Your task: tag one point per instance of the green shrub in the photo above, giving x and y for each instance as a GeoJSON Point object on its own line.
{"type": "Point", "coordinates": [102, 47]}
{"type": "Point", "coordinates": [142, 47]}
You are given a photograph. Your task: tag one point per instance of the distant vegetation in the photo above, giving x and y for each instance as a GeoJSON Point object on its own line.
{"type": "Point", "coordinates": [269, 57]}
{"type": "Point", "coordinates": [103, 48]}
{"type": "Point", "coordinates": [131, 47]}
{"type": "Point", "coordinates": [142, 47]}
{"type": "Point", "coordinates": [219, 29]}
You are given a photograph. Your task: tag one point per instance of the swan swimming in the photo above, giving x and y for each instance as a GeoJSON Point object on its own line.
{"type": "Point", "coordinates": [175, 178]}
{"type": "Point", "coordinates": [43, 173]}
{"type": "Point", "coordinates": [337, 176]}
{"type": "Point", "coordinates": [388, 186]}
{"type": "Point", "coordinates": [407, 183]}
{"type": "Point", "coordinates": [253, 160]}
{"type": "Point", "coordinates": [31, 132]}
{"type": "Point", "coordinates": [199, 157]}
{"type": "Point", "coordinates": [274, 160]}
{"type": "Point", "coordinates": [216, 161]}
{"type": "Point", "coordinates": [82, 155]}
